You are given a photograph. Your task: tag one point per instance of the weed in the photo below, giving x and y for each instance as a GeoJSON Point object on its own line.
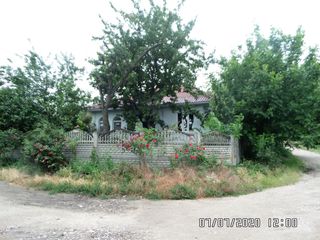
{"type": "Point", "coordinates": [181, 191]}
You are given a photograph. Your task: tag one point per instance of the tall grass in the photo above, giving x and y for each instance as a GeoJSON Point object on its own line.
{"type": "Point", "coordinates": [107, 179]}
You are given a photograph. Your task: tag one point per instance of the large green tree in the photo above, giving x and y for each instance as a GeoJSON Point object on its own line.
{"type": "Point", "coordinates": [274, 84]}
{"type": "Point", "coordinates": [147, 55]}
{"type": "Point", "coordinates": [40, 91]}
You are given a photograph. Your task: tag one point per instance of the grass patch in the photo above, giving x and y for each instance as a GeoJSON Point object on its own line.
{"type": "Point", "coordinates": [106, 179]}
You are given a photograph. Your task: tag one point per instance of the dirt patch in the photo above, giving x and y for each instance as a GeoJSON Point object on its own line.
{"type": "Point", "coordinates": [31, 197]}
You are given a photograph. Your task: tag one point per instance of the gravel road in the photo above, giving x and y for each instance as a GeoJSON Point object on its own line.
{"type": "Point", "coordinates": [30, 214]}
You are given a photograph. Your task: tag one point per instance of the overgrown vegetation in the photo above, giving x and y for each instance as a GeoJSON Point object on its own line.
{"type": "Point", "coordinates": [267, 95]}
{"type": "Point", "coordinates": [274, 85]}
{"type": "Point", "coordinates": [38, 102]}
{"type": "Point", "coordinates": [143, 144]}
{"type": "Point", "coordinates": [108, 179]}
{"type": "Point", "coordinates": [44, 147]}
{"type": "Point", "coordinates": [10, 141]}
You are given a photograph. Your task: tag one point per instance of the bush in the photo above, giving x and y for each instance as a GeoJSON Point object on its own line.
{"type": "Point", "coordinates": [209, 162]}
{"type": "Point", "coordinates": [188, 155]}
{"type": "Point", "coordinates": [142, 144]}
{"type": "Point", "coordinates": [180, 191]}
{"type": "Point", "coordinates": [84, 167]}
{"type": "Point", "coordinates": [44, 146]}
{"type": "Point", "coordinates": [10, 140]}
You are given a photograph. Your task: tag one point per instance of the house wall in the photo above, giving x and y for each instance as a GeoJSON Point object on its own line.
{"type": "Point", "coordinates": [169, 117]}
{"type": "Point", "coordinates": [96, 116]}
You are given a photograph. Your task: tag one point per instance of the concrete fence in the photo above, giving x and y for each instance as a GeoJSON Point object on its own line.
{"type": "Point", "coordinates": [224, 147]}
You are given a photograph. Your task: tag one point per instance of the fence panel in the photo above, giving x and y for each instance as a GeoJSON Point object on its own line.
{"type": "Point", "coordinates": [173, 137]}
{"type": "Point", "coordinates": [115, 137]}
{"type": "Point", "coordinates": [215, 138]}
{"type": "Point", "coordinates": [80, 136]}
{"type": "Point", "coordinates": [224, 147]}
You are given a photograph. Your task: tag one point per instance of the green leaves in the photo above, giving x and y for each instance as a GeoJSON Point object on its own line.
{"type": "Point", "coordinates": [275, 88]}
{"type": "Point", "coordinates": [38, 91]}
{"type": "Point", "coordinates": [147, 55]}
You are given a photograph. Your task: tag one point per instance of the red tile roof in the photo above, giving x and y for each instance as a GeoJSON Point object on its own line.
{"type": "Point", "coordinates": [182, 97]}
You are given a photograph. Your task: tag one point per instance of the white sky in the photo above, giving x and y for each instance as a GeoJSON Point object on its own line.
{"type": "Point", "coordinates": [54, 26]}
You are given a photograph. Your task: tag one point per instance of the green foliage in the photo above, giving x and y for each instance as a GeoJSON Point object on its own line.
{"type": "Point", "coordinates": [17, 111]}
{"type": "Point", "coordinates": [146, 55]}
{"type": "Point", "coordinates": [41, 91]}
{"type": "Point", "coordinates": [209, 162]}
{"type": "Point", "coordinates": [213, 191]}
{"type": "Point", "coordinates": [181, 191]}
{"type": "Point", "coordinates": [10, 141]}
{"type": "Point", "coordinates": [44, 146]}
{"type": "Point", "coordinates": [234, 128]}
{"type": "Point", "coordinates": [188, 155]}
{"type": "Point", "coordinates": [84, 122]}
{"type": "Point", "coordinates": [276, 90]}
{"type": "Point", "coordinates": [105, 179]}
{"type": "Point", "coordinates": [94, 157]}
{"type": "Point", "coordinates": [91, 168]}
{"type": "Point", "coordinates": [142, 144]}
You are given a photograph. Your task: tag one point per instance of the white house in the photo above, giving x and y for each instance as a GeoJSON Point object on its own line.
{"type": "Point", "coordinates": [171, 118]}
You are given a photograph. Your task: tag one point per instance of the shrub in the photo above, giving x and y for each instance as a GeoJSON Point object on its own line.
{"type": "Point", "coordinates": [188, 154]}
{"type": "Point", "coordinates": [209, 162]}
{"type": "Point", "coordinates": [44, 146]}
{"type": "Point", "coordinates": [266, 149]}
{"type": "Point", "coordinates": [181, 191]}
{"type": "Point", "coordinates": [10, 140]}
{"type": "Point", "coordinates": [211, 191]}
{"type": "Point", "coordinates": [84, 167]}
{"type": "Point", "coordinates": [142, 144]}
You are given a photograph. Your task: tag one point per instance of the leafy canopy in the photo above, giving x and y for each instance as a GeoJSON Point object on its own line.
{"type": "Point", "coordinates": [40, 91]}
{"type": "Point", "coordinates": [274, 85]}
{"type": "Point", "coordinates": [146, 55]}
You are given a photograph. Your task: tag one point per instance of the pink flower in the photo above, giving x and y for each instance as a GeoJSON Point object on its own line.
{"type": "Point", "coordinates": [193, 157]}
{"type": "Point", "coordinates": [154, 140]}
{"type": "Point", "coordinates": [147, 145]}
{"type": "Point", "coordinates": [176, 156]}
{"type": "Point", "coordinates": [186, 151]}
{"type": "Point", "coordinates": [190, 144]}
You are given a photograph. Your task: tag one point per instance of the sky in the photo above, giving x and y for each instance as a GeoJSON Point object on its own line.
{"type": "Point", "coordinates": [67, 26]}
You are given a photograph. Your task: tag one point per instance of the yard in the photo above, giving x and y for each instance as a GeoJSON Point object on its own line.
{"type": "Point", "coordinates": [29, 214]}
{"type": "Point", "coordinates": [107, 179]}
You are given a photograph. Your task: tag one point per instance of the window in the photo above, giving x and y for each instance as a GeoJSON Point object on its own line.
{"type": "Point", "coordinates": [190, 121]}
{"type": "Point", "coordinates": [100, 123]}
{"type": "Point", "coordinates": [117, 123]}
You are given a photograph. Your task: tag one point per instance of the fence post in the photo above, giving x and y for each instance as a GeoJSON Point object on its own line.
{"type": "Point", "coordinates": [235, 153]}
{"type": "Point", "coordinates": [197, 137]}
{"type": "Point", "coordinates": [95, 139]}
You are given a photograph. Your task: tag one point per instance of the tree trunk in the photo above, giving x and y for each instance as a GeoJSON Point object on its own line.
{"type": "Point", "coordinates": [105, 115]}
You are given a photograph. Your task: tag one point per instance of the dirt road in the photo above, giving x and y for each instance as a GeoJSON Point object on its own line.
{"type": "Point", "coordinates": [29, 214]}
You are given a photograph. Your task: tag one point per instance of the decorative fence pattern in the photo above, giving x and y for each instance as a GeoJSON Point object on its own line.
{"type": "Point", "coordinates": [224, 147]}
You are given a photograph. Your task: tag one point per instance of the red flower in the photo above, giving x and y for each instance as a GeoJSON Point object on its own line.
{"type": "Point", "coordinates": [193, 157]}
{"type": "Point", "coordinates": [186, 151]}
{"type": "Point", "coordinates": [154, 140]}
{"type": "Point", "coordinates": [147, 145]}
{"type": "Point", "coordinates": [203, 148]}
{"type": "Point", "coordinates": [190, 144]}
{"type": "Point", "coordinates": [176, 156]}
